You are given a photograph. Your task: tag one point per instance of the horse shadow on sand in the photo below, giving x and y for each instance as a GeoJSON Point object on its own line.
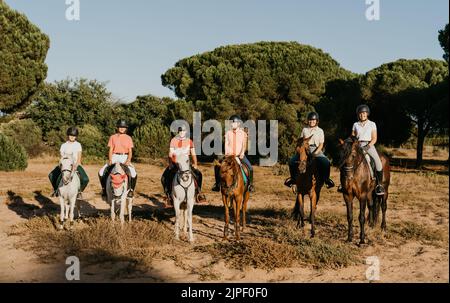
{"type": "Point", "coordinates": [45, 207]}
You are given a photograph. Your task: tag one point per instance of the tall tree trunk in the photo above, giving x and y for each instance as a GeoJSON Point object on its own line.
{"type": "Point", "coordinates": [421, 134]}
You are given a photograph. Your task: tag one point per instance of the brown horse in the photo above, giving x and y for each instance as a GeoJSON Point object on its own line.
{"type": "Point", "coordinates": [356, 182]}
{"type": "Point", "coordinates": [234, 193]}
{"type": "Point", "coordinates": [308, 183]}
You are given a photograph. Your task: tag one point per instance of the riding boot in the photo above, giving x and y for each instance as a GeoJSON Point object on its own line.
{"type": "Point", "coordinates": [103, 185]}
{"type": "Point", "coordinates": [216, 186]}
{"type": "Point", "coordinates": [379, 190]}
{"type": "Point", "coordinates": [251, 187]}
{"type": "Point", "coordinates": [132, 187]}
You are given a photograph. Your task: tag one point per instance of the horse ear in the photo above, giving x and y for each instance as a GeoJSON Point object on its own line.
{"type": "Point", "coordinates": [341, 142]}
{"type": "Point", "coordinates": [309, 138]}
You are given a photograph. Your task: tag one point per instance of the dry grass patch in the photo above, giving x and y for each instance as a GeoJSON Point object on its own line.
{"type": "Point", "coordinates": [97, 240]}
{"type": "Point", "coordinates": [409, 230]}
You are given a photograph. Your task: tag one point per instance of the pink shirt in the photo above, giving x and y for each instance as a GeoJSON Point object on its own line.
{"type": "Point", "coordinates": [234, 142]}
{"type": "Point", "coordinates": [120, 143]}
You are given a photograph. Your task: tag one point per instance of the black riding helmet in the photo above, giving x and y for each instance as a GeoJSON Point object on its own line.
{"type": "Point", "coordinates": [72, 131]}
{"type": "Point", "coordinates": [122, 124]}
{"type": "Point", "coordinates": [235, 118]}
{"type": "Point", "coordinates": [362, 108]}
{"type": "Point", "coordinates": [313, 116]}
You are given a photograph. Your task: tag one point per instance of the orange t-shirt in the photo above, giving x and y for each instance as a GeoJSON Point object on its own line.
{"type": "Point", "coordinates": [180, 146]}
{"type": "Point", "coordinates": [120, 143]}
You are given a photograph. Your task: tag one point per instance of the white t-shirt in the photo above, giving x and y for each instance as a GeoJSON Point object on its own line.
{"type": "Point", "coordinates": [364, 132]}
{"type": "Point", "coordinates": [318, 137]}
{"type": "Point", "coordinates": [71, 149]}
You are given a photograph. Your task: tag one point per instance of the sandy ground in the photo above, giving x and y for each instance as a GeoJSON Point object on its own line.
{"type": "Point", "coordinates": [411, 261]}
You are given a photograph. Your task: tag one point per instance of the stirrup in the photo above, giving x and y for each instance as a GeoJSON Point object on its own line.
{"type": "Point", "coordinates": [329, 183]}
{"type": "Point", "coordinates": [379, 190]}
{"type": "Point", "coordinates": [289, 182]}
{"type": "Point", "coordinates": [130, 193]}
{"type": "Point", "coordinates": [340, 189]}
{"type": "Point", "coordinates": [251, 188]}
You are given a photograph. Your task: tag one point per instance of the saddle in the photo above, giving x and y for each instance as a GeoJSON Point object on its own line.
{"type": "Point", "coordinates": [116, 179]}
{"type": "Point", "coordinates": [244, 169]}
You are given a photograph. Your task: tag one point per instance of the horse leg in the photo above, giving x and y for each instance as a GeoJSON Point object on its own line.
{"type": "Point", "coordinates": [372, 206]}
{"type": "Point", "coordinates": [227, 217]}
{"type": "Point", "coordinates": [176, 206]}
{"type": "Point", "coordinates": [62, 205]}
{"type": "Point", "coordinates": [383, 209]}
{"type": "Point", "coordinates": [185, 219]}
{"type": "Point", "coordinates": [349, 204]}
{"type": "Point", "coordinates": [130, 207]}
{"type": "Point", "coordinates": [313, 199]}
{"type": "Point", "coordinates": [301, 219]}
{"type": "Point", "coordinates": [189, 214]}
{"type": "Point", "coordinates": [362, 219]}
{"type": "Point", "coordinates": [113, 213]}
{"type": "Point", "coordinates": [123, 202]}
{"type": "Point", "coordinates": [67, 209]}
{"type": "Point", "coordinates": [73, 201]}
{"type": "Point", "coordinates": [244, 211]}
{"type": "Point", "coordinates": [296, 211]}
{"type": "Point", "coordinates": [237, 215]}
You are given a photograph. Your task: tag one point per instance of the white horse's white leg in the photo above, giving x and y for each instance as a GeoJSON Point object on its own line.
{"type": "Point", "coordinates": [176, 206]}
{"type": "Point", "coordinates": [123, 202]}
{"type": "Point", "coordinates": [189, 214]}
{"type": "Point", "coordinates": [113, 214]}
{"type": "Point", "coordinates": [62, 204]}
{"type": "Point", "coordinates": [185, 220]}
{"type": "Point", "coordinates": [67, 209]}
{"type": "Point", "coordinates": [130, 207]}
{"type": "Point", "coordinates": [73, 200]}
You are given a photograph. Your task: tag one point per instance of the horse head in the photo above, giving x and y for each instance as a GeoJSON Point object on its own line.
{"type": "Point", "coordinates": [303, 152]}
{"type": "Point", "coordinates": [349, 152]}
{"type": "Point", "coordinates": [184, 167]}
{"type": "Point", "coordinates": [66, 165]}
{"type": "Point", "coordinates": [118, 179]}
{"type": "Point", "coordinates": [228, 171]}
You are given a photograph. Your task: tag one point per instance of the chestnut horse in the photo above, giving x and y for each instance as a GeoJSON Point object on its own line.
{"type": "Point", "coordinates": [356, 181]}
{"type": "Point", "coordinates": [308, 183]}
{"type": "Point", "coordinates": [234, 194]}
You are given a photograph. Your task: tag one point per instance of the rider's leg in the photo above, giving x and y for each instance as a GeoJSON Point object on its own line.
{"type": "Point", "coordinates": [102, 176]}
{"type": "Point", "coordinates": [84, 180]}
{"type": "Point", "coordinates": [216, 186]}
{"type": "Point", "coordinates": [379, 190]}
{"type": "Point", "coordinates": [324, 169]}
{"type": "Point", "coordinates": [165, 180]}
{"type": "Point", "coordinates": [199, 178]}
{"type": "Point", "coordinates": [133, 180]}
{"type": "Point", "coordinates": [54, 176]}
{"type": "Point", "coordinates": [292, 170]}
{"type": "Point", "coordinates": [251, 187]}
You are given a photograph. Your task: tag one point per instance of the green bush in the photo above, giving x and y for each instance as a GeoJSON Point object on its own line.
{"type": "Point", "coordinates": [151, 140]}
{"type": "Point", "coordinates": [26, 133]}
{"type": "Point", "coordinates": [13, 156]}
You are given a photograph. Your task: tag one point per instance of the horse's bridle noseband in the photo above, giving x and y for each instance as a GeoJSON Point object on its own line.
{"type": "Point", "coordinates": [180, 173]}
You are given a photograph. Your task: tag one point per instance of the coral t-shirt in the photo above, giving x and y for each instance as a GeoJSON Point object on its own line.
{"type": "Point", "coordinates": [120, 143]}
{"type": "Point", "coordinates": [235, 142]}
{"type": "Point", "coordinates": [181, 146]}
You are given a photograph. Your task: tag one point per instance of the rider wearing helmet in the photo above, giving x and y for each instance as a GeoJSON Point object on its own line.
{"type": "Point", "coordinates": [236, 145]}
{"type": "Point", "coordinates": [181, 144]}
{"type": "Point", "coordinates": [316, 149]}
{"type": "Point", "coordinates": [120, 150]}
{"type": "Point", "coordinates": [366, 133]}
{"type": "Point", "coordinates": [71, 148]}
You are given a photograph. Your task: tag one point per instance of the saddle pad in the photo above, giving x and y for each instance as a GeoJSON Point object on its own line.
{"type": "Point", "coordinates": [241, 165]}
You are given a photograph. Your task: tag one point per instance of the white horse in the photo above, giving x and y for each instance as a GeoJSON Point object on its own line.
{"type": "Point", "coordinates": [183, 195]}
{"type": "Point", "coordinates": [117, 192]}
{"type": "Point", "coordinates": [68, 189]}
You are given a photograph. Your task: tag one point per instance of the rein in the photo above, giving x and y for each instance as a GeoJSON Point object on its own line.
{"type": "Point", "coordinates": [233, 185]}
{"type": "Point", "coordinates": [183, 172]}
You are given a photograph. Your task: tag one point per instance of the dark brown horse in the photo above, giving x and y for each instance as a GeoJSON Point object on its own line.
{"type": "Point", "coordinates": [356, 181]}
{"type": "Point", "coordinates": [308, 183]}
{"type": "Point", "coordinates": [234, 194]}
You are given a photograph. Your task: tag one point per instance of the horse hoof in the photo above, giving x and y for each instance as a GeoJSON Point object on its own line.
{"type": "Point", "coordinates": [61, 226]}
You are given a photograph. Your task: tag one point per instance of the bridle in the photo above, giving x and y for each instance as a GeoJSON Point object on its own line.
{"type": "Point", "coordinates": [232, 187]}
{"type": "Point", "coordinates": [112, 188]}
{"type": "Point", "coordinates": [67, 170]}
{"type": "Point", "coordinates": [180, 174]}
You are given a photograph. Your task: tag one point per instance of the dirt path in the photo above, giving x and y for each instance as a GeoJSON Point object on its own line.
{"type": "Point", "coordinates": [414, 198]}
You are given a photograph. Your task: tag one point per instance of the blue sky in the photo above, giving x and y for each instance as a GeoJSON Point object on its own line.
{"type": "Point", "coordinates": [131, 43]}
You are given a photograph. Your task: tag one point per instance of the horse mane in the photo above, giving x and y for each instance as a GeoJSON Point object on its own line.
{"type": "Point", "coordinates": [346, 150]}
